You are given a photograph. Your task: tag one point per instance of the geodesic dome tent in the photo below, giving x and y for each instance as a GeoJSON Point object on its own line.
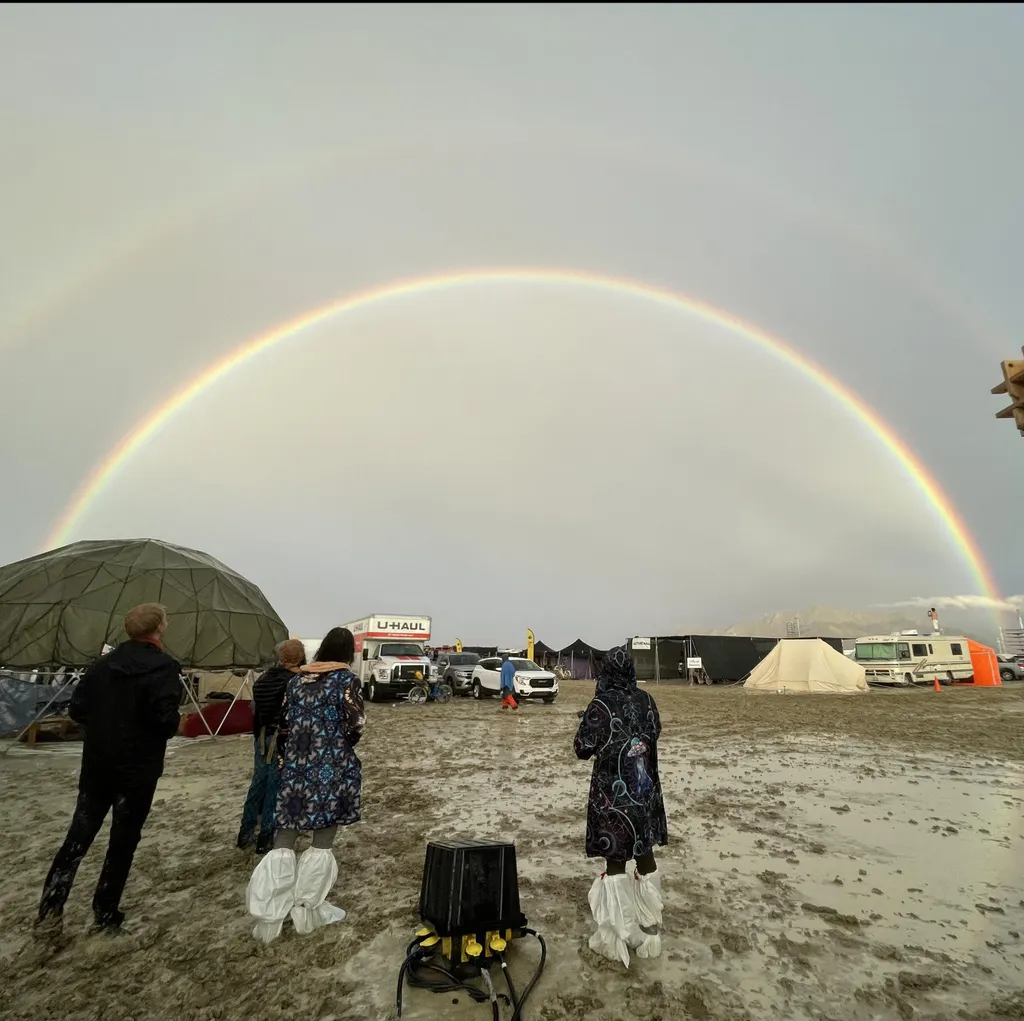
{"type": "Point", "coordinates": [59, 608]}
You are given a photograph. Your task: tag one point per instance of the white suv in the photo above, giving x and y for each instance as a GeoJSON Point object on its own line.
{"type": "Point", "coordinates": [530, 682]}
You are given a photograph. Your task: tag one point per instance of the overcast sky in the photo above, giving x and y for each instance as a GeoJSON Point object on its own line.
{"type": "Point", "coordinates": [176, 180]}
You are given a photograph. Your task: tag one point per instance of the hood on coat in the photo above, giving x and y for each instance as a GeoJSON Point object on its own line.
{"type": "Point", "coordinates": [617, 671]}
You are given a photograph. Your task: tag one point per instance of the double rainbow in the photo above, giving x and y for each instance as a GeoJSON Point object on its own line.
{"type": "Point", "coordinates": [115, 460]}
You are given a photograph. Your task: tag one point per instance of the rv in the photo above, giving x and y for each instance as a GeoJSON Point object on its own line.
{"type": "Point", "coordinates": [391, 657]}
{"type": "Point", "coordinates": [910, 658]}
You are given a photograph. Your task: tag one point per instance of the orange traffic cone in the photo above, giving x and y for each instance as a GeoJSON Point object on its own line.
{"type": "Point", "coordinates": [938, 687]}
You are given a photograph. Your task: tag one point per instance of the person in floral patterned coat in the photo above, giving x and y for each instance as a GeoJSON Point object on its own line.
{"type": "Point", "coordinates": [320, 790]}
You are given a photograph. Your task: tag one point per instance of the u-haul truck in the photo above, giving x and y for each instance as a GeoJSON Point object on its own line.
{"type": "Point", "coordinates": [390, 654]}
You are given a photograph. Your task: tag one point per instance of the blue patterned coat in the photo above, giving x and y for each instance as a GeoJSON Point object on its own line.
{"type": "Point", "coordinates": [321, 776]}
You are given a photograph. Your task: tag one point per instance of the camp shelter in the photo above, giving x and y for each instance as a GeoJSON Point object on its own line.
{"type": "Point", "coordinates": [724, 658]}
{"type": "Point", "coordinates": [801, 665]}
{"type": "Point", "coordinates": [985, 664]}
{"type": "Point", "coordinates": [61, 607]}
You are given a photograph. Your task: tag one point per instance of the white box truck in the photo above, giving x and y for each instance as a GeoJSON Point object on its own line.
{"type": "Point", "coordinates": [390, 653]}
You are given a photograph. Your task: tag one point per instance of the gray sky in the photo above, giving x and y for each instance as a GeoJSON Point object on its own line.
{"type": "Point", "coordinates": [178, 180]}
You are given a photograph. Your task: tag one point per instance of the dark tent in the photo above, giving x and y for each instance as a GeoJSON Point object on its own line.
{"type": "Point", "coordinates": [724, 658]}
{"type": "Point", "coordinates": [60, 608]}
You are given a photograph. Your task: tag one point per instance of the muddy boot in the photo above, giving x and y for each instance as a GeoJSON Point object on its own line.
{"type": "Point", "coordinates": [270, 895]}
{"type": "Point", "coordinates": [109, 922]}
{"type": "Point", "coordinates": [49, 924]}
{"type": "Point", "coordinates": [614, 909]}
{"type": "Point", "coordinates": [649, 910]}
{"type": "Point", "coordinates": [265, 842]}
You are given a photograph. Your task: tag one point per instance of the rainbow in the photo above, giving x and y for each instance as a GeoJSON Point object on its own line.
{"type": "Point", "coordinates": [105, 471]}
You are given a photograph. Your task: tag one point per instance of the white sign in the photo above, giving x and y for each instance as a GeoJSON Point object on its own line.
{"type": "Point", "coordinates": [694, 663]}
{"type": "Point", "coordinates": [642, 643]}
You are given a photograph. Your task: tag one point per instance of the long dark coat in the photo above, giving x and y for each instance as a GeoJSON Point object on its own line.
{"type": "Point", "coordinates": [620, 731]}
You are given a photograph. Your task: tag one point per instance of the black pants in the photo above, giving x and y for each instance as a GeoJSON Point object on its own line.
{"type": "Point", "coordinates": [645, 865]}
{"type": "Point", "coordinates": [131, 804]}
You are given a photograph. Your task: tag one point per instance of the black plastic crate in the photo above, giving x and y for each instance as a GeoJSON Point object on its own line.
{"type": "Point", "coordinates": [470, 886]}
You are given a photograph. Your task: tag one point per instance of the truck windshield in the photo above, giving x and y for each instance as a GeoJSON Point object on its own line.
{"type": "Point", "coordinates": [400, 649]}
{"type": "Point", "coordinates": [877, 650]}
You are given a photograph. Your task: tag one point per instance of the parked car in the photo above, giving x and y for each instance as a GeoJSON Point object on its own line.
{"type": "Point", "coordinates": [1011, 668]}
{"type": "Point", "coordinates": [456, 670]}
{"type": "Point", "coordinates": [530, 681]}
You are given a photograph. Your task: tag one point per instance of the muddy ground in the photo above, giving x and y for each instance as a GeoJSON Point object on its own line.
{"type": "Point", "coordinates": [850, 858]}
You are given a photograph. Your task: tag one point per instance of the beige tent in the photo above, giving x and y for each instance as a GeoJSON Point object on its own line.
{"type": "Point", "coordinates": [802, 665]}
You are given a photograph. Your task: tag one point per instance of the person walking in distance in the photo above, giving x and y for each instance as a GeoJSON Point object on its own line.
{"type": "Point", "coordinates": [267, 697]}
{"type": "Point", "coordinates": [625, 811]}
{"type": "Point", "coordinates": [127, 704]}
{"type": "Point", "coordinates": [508, 677]}
{"type": "Point", "coordinates": [322, 720]}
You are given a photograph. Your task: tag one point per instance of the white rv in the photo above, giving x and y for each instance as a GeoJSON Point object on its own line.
{"type": "Point", "coordinates": [390, 653]}
{"type": "Point", "coordinates": [910, 658]}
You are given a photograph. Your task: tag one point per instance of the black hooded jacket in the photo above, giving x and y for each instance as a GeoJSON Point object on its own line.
{"type": "Point", "coordinates": [127, 703]}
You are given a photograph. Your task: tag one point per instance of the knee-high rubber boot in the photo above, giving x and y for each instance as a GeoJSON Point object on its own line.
{"type": "Point", "coordinates": [317, 874]}
{"type": "Point", "coordinates": [649, 911]}
{"type": "Point", "coordinates": [614, 909]}
{"type": "Point", "coordinates": [270, 895]}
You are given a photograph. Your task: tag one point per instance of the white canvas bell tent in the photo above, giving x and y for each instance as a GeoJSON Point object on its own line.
{"type": "Point", "coordinates": [801, 665]}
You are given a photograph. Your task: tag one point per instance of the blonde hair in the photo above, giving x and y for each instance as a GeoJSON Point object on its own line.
{"type": "Point", "coordinates": [145, 620]}
{"type": "Point", "coordinates": [291, 654]}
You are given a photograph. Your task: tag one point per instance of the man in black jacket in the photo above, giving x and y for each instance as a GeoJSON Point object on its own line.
{"type": "Point", "coordinates": [127, 704]}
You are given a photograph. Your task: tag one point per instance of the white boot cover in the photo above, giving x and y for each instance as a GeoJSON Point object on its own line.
{"type": "Point", "coordinates": [271, 893]}
{"type": "Point", "coordinates": [317, 873]}
{"type": "Point", "coordinates": [649, 910]}
{"type": "Point", "coordinates": [614, 910]}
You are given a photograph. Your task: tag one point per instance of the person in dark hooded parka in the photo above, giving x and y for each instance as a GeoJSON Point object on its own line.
{"type": "Point", "coordinates": [625, 811]}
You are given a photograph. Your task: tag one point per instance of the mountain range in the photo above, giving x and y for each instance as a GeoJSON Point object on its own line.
{"type": "Point", "coordinates": [832, 622]}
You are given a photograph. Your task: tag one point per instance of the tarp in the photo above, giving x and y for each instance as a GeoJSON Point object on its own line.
{"type": "Point", "coordinates": [801, 665]}
{"type": "Point", "coordinates": [61, 607]}
{"type": "Point", "coordinates": [239, 719]}
{"type": "Point", "coordinates": [21, 700]}
{"type": "Point", "coordinates": [985, 664]}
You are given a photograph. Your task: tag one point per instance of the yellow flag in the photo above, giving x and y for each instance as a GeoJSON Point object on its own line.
{"type": "Point", "coordinates": [458, 645]}
{"type": "Point", "coordinates": [529, 644]}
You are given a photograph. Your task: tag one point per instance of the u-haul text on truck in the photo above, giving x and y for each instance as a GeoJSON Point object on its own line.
{"type": "Point", "coordinates": [390, 653]}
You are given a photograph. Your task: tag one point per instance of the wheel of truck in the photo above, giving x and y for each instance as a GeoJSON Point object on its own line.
{"type": "Point", "coordinates": [949, 679]}
{"type": "Point", "coordinates": [444, 694]}
{"type": "Point", "coordinates": [907, 679]}
{"type": "Point", "coordinates": [371, 691]}
{"type": "Point", "coordinates": [477, 691]}
{"type": "Point", "coordinates": [549, 699]}
{"type": "Point", "coordinates": [1006, 675]}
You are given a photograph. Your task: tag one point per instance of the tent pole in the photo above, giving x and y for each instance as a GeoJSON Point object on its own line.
{"type": "Point", "coordinates": [192, 699]}
{"type": "Point", "coordinates": [38, 716]}
{"type": "Point", "coordinates": [657, 664]}
{"type": "Point", "coordinates": [246, 680]}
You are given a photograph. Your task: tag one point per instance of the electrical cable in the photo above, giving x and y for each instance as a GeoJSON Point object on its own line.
{"type": "Point", "coordinates": [518, 1013]}
{"type": "Point", "coordinates": [494, 996]}
{"type": "Point", "coordinates": [508, 981]}
{"type": "Point", "coordinates": [416, 964]}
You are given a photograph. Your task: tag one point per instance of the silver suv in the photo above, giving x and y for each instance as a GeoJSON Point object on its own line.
{"type": "Point", "coordinates": [456, 669]}
{"type": "Point", "coordinates": [1011, 668]}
